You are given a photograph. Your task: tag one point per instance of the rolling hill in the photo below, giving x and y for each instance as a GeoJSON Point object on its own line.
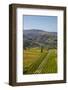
{"type": "Point", "coordinates": [36, 38]}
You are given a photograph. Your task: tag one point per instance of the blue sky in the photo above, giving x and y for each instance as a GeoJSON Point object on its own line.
{"type": "Point", "coordinates": [47, 23]}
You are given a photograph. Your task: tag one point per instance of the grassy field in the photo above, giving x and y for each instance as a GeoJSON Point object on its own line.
{"type": "Point", "coordinates": [36, 62]}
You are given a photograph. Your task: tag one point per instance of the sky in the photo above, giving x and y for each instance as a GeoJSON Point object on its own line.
{"type": "Point", "coordinates": [46, 23]}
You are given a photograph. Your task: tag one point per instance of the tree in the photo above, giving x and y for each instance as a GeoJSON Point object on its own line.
{"type": "Point", "coordinates": [42, 48]}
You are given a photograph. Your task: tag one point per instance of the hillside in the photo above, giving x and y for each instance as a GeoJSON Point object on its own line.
{"type": "Point", "coordinates": [36, 38]}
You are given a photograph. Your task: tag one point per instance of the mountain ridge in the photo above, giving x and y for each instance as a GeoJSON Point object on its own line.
{"type": "Point", "coordinates": [33, 36]}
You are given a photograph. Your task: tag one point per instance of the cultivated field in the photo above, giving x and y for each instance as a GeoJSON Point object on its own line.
{"type": "Point", "coordinates": [37, 62]}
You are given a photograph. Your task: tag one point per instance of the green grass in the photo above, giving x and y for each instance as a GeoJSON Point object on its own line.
{"type": "Point", "coordinates": [49, 64]}
{"type": "Point", "coordinates": [36, 62]}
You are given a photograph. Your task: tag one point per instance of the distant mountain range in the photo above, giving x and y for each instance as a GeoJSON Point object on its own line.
{"type": "Point", "coordinates": [37, 38]}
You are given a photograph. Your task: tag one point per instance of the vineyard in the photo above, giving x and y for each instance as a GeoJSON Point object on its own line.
{"type": "Point", "coordinates": [35, 62]}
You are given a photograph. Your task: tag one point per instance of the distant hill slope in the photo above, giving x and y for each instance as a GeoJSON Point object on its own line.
{"type": "Point", "coordinates": [36, 38]}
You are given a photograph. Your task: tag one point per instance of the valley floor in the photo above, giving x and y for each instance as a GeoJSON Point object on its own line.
{"type": "Point", "coordinates": [37, 62]}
